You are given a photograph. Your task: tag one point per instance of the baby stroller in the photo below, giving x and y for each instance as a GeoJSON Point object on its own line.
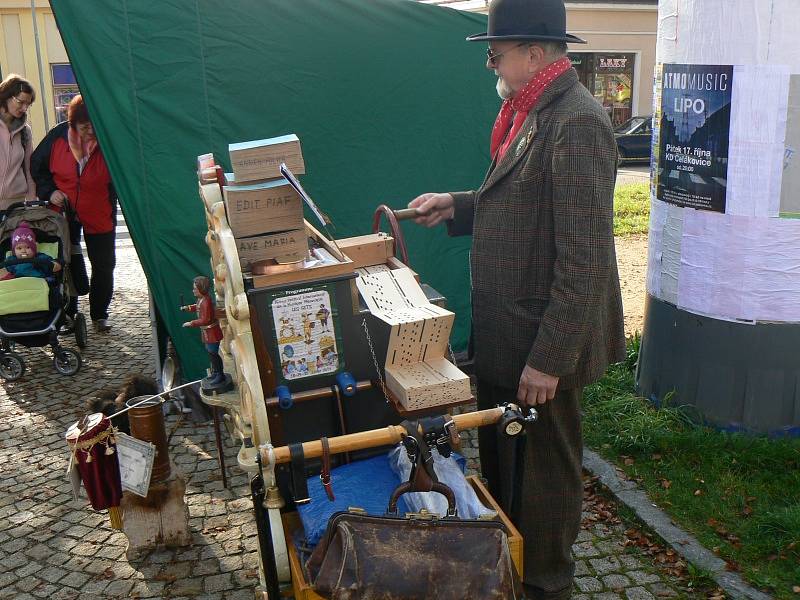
{"type": "Point", "coordinates": [32, 309]}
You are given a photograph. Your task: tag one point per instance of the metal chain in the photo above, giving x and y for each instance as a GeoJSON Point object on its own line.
{"type": "Point", "coordinates": [375, 360]}
{"type": "Point", "coordinates": [452, 354]}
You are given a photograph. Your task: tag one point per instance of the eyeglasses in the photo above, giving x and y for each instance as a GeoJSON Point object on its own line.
{"type": "Point", "coordinates": [494, 57]}
{"type": "Point", "coordinates": [22, 103]}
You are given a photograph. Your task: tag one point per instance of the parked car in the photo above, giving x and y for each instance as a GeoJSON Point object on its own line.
{"type": "Point", "coordinates": [633, 139]}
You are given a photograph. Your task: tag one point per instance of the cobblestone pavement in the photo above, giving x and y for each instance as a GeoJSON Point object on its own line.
{"type": "Point", "coordinates": [53, 547]}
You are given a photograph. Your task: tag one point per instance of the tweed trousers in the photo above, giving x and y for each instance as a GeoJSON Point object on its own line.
{"type": "Point", "coordinates": [538, 478]}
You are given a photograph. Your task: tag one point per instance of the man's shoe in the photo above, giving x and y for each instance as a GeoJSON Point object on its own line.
{"type": "Point", "coordinates": [101, 325]}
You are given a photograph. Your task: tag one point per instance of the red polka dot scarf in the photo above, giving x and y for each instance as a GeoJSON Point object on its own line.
{"type": "Point", "coordinates": [515, 110]}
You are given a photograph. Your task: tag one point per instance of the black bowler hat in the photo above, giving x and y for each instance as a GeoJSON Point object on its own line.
{"type": "Point", "coordinates": [544, 20]}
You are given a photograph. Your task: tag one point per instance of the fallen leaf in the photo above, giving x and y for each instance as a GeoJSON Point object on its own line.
{"type": "Point", "coordinates": [747, 511]}
{"type": "Point", "coordinates": [109, 573]}
{"type": "Point", "coordinates": [698, 493]}
{"type": "Point", "coordinates": [629, 461]}
{"type": "Point", "coordinates": [656, 457]}
{"type": "Point", "coordinates": [666, 483]}
{"type": "Point", "coordinates": [712, 522]}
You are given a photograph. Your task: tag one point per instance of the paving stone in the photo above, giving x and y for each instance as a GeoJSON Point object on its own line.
{"type": "Point", "coordinates": [52, 574]}
{"type": "Point", "coordinates": [605, 565]}
{"type": "Point", "coordinates": [47, 590]}
{"type": "Point", "coordinates": [638, 593]}
{"type": "Point", "coordinates": [218, 583]}
{"type": "Point", "coordinates": [29, 569]}
{"type": "Point", "coordinates": [616, 582]}
{"type": "Point", "coordinates": [661, 590]}
{"type": "Point", "coordinates": [75, 579]}
{"type": "Point", "coordinates": [13, 561]}
{"type": "Point", "coordinates": [119, 587]}
{"type": "Point", "coordinates": [39, 552]}
{"type": "Point", "coordinates": [230, 563]}
{"type": "Point", "coordinates": [581, 568]}
{"type": "Point", "coordinates": [26, 584]}
{"type": "Point", "coordinates": [629, 561]}
{"type": "Point", "coordinates": [585, 550]}
{"type": "Point", "coordinates": [176, 571]}
{"type": "Point", "coordinates": [641, 577]}
{"type": "Point", "coordinates": [187, 587]}
{"type": "Point", "coordinates": [588, 584]}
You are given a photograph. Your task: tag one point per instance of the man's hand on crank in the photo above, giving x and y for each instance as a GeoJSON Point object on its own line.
{"type": "Point", "coordinates": [432, 208]}
{"type": "Point", "coordinates": [536, 387]}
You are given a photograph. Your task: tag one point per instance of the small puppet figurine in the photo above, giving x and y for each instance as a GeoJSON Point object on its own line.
{"type": "Point", "coordinates": [211, 334]}
{"type": "Point", "coordinates": [23, 244]}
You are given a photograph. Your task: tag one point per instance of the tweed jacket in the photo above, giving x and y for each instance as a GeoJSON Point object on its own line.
{"type": "Point", "coordinates": [545, 288]}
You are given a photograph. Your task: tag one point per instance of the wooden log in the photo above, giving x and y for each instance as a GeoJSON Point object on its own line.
{"type": "Point", "coordinates": [159, 520]}
{"type": "Point", "coordinates": [380, 437]}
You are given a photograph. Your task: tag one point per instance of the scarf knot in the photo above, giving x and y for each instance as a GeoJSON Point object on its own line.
{"type": "Point", "coordinates": [514, 111]}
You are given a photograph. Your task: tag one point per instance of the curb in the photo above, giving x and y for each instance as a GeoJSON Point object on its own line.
{"type": "Point", "coordinates": [686, 545]}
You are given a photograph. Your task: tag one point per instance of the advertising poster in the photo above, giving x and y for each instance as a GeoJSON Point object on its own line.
{"type": "Point", "coordinates": [693, 136]}
{"type": "Point", "coordinates": [305, 329]}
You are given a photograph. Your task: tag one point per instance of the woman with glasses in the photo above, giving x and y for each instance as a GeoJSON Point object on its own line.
{"type": "Point", "coordinates": [69, 169]}
{"type": "Point", "coordinates": [16, 183]}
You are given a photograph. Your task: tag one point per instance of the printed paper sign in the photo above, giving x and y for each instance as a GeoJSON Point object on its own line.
{"type": "Point", "coordinates": [135, 463]}
{"type": "Point", "coordinates": [304, 328]}
{"type": "Point", "coordinates": [693, 135]}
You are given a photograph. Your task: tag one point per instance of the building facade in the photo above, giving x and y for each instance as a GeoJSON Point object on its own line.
{"type": "Point", "coordinates": [616, 64]}
{"type": "Point", "coordinates": [18, 54]}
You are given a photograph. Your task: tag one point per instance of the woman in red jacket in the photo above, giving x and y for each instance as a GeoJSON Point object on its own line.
{"type": "Point", "coordinates": [68, 168]}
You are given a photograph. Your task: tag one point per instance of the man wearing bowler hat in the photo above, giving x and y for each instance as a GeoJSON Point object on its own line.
{"type": "Point", "coordinates": [546, 305]}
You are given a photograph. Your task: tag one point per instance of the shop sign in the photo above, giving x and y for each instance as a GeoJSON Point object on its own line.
{"type": "Point", "coordinates": [613, 63]}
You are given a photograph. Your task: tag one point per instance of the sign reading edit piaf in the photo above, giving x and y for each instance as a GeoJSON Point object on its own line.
{"type": "Point", "coordinates": [693, 134]}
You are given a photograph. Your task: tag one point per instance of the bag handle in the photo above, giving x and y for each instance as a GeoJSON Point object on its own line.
{"type": "Point", "coordinates": [437, 486]}
{"type": "Point", "coordinates": [422, 477]}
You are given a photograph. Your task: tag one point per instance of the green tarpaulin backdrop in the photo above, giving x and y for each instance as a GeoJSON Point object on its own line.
{"type": "Point", "coordinates": [387, 99]}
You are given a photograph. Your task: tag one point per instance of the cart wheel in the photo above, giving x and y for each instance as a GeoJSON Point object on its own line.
{"type": "Point", "coordinates": [12, 367]}
{"type": "Point", "coordinates": [67, 362]}
{"type": "Point", "coordinates": [80, 330]}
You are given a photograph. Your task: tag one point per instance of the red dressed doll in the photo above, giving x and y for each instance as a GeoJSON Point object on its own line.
{"type": "Point", "coordinates": [211, 334]}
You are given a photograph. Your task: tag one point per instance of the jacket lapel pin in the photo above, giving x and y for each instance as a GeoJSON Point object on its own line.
{"type": "Point", "coordinates": [524, 142]}
{"type": "Point", "coordinates": [521, 146]}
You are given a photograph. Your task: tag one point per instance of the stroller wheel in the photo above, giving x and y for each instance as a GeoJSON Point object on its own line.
{"type": "Point", "coordinates": [67, 362]}
{"type": "Point", "coordinates": [12, 367]}
{"type": "Point", "coordinates": [80, 330]}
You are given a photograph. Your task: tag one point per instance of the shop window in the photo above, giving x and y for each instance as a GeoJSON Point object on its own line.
{"type": "Point", "coordinates": [609, 77]}
{"type": "Point", "coordinates": [65, 88]}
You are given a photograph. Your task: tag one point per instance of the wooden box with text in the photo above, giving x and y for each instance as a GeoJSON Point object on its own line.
{"type": "Point", "coordinates": [261, 159]}
{"type": "Point", "coordinates": [263, 208]}
{"type": "Point", "coordinates": [284, 247]}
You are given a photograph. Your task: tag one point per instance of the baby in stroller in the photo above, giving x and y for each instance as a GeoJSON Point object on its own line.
{"type": "Point", "coordinates": [23, 245]}
{"type": "Point", "coordinates": [34, 287]}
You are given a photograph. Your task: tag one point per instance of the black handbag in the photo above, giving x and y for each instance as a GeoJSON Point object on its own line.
{"type": "Point", "coordinates": [418, 556]}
